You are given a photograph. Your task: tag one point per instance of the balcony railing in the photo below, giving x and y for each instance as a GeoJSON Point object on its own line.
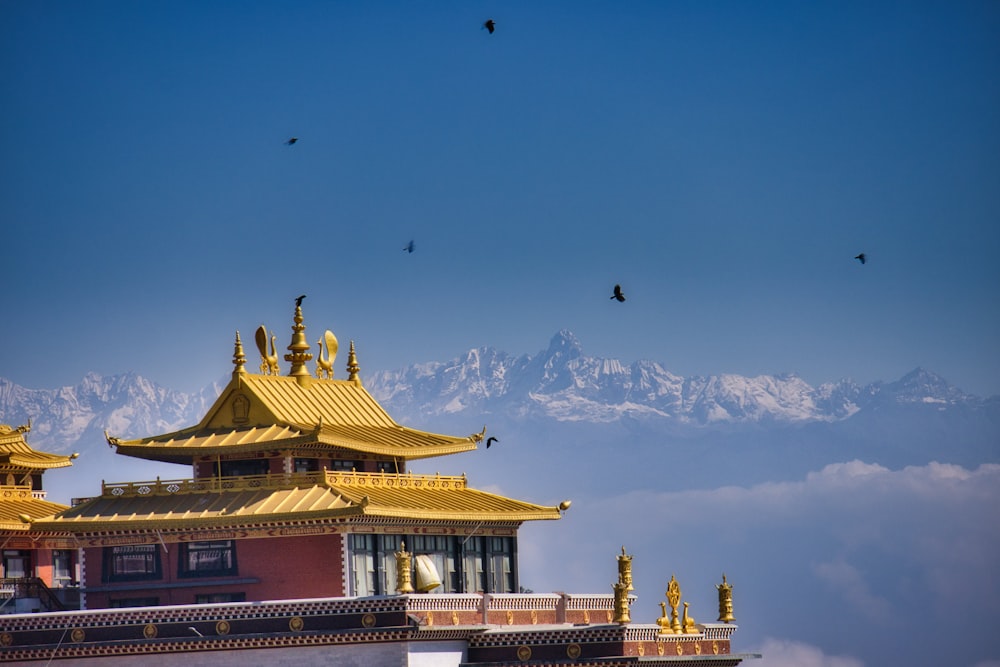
{"type": "Point", "coordinates": [371, 480]}
{"type": "Point", "coordinates": [29, 587]}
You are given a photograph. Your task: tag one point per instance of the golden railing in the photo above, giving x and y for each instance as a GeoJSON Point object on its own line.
{"type": "Point", "coordinates": [360, 480]}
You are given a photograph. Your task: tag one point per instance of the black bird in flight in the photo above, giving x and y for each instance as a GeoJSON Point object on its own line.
{"type": "Point", "coordinates": [861, 258]}
{"type": "Point", "coordinates": [618, 293]}
{"type": "Point", "coordinates": [490, 440]}
{"type": "Point", "coordinates": [490, 25]}
{"type": "Point", "coordinates": [298, 300]}
{"type": "Point", "coordinates": [291, 141]}
{"type": "Point", "coordinates": [409, 247]}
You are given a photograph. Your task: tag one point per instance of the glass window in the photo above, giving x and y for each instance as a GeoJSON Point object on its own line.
{"type": "Point", "coordinates": [207, 559]}
{"type": "Point", "coordinates": [441, 550]}
{"type": "Point", "coordinates": [138, 561]}
{"type": "Point", "coordinates": [363, 581]}
{"type": "Point", "coordinates": [474, 575]}
{"type": "Point", "coordinates": [501, 558]}
{"type": "Point", "coordinates": [218, 598]}
{"type": "Point", "coordinates": [16, 563]}
{"type": "Point", "coordinates": [339, 464]}
{"type": "Point", "coordinates": [244, 468]}
{"type": "Point", "coordinates": [62, 568]}
{"type": "Point", "coordinates": [134, 602]}
{"type": "Point", "coordinates": [306, 465]}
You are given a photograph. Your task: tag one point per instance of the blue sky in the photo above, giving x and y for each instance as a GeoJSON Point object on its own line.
{"type": "Point", "coordinates": [723, 161]}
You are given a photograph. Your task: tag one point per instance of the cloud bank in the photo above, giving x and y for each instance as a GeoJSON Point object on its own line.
{"type": "Point", "coordinates": [855, 559]}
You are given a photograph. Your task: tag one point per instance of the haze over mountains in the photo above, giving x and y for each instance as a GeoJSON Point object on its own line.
{"type": "Point", "coordinates": [556, 404]}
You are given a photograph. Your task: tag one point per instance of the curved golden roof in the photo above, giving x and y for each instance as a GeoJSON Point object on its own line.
{"type": "Point", "coordinates": [16, 501]}
{"type": "Point", "coordinates": [267, 412]}
{"type": "Point", "coordinates": [15, 452]}
{"type": "Point", "coordinates": [236, 501]}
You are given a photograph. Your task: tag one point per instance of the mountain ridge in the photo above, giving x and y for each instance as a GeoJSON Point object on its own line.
{"type": "Point", "coordinates": [559, 383]}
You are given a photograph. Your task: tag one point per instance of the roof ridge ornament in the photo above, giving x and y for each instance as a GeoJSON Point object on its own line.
{"type": "Point", "coordinates": [299, 348]}
{"type": "Point", "coordinates": [239, 359]}
{"type": "Point", "coordinates": [324, 367]}
{"type": "Point", "coordinates": [268, 362]}
{"type": "Point", "coordinates": [352, 366]}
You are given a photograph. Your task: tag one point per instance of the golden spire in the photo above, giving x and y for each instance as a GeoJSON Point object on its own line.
{"type": "Point", "coordinates": [625, 570]}
{"type": "Point", "coordinates": [352, 365]}
{"type": "Point", "coordinates": [404, 583]}
{"type": "Point", "coordinates": [239, 359]}
{"type": "Point", "coordinates": [725, 600]}
{"type": "Point", "coordinates": [299, 348]}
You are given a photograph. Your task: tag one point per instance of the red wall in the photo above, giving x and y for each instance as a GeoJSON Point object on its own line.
{"type": "Point", "coordinates": [286, 567]}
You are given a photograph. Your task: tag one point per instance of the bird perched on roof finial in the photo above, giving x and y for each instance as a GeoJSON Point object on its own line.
{"type": "Point", "coordinates": [490, 25]}
{"type": "Point", "coordinates": [861, 258]}
{"type": "Point", "coordinates": [618, 293]}
{"type": "Point", "coordinates": [298, 300]}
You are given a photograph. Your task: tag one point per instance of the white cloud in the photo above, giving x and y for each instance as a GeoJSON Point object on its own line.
{"type": "Point", "coordinates": [854, 549]}
{"type": "Point", "coordinates": [787, 653]}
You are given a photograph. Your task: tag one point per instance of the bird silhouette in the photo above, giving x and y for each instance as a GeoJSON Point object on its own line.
{"type": "Point", "coordinates": [861, 258]}
{"type": "Point", "coordinates": [490, 25]}
{"type": "Point", "coordinates": [409, 247]}
{"type": "Point", "coordinates": [618, 293]}
{"type": "Point", "coordinates": [298, 300]}
{"type": "Point", "coordinates": [490, 440]}
{"type": "Point", "coordinates": [291, 141]}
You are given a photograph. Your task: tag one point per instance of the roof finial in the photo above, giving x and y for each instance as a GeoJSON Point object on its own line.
{"type": "Point", "coordinates": [352, 365]}
{"type": "Point", "coordinates": [239, 359]}
{"type": "Point", "coordinates": [299, 348]}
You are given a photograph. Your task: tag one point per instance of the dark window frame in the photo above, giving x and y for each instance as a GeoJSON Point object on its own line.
{"type": "Point", "coordinates": [115, 558]}
{"type": "Point", "coordinates": [189, 566]}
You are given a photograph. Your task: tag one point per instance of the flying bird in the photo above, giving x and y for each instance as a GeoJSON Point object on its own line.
{"type": "Point", "coordinates": [409, 247]}
{"type": "Point", "coordinates": [861, 258]}
{"type": "Point", "coordinates": [298, 300]}
{"type": "Point", "coordinates": [291, 141]}
{"type": "Point", "coordinates": [618, 293]}
{"type": "Point", "coordinates": [490, 25]}
{"type": "Point", "coordinates": [490, 440]}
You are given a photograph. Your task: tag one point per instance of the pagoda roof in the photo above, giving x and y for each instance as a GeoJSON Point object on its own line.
{"type": "Point", "coordinates": [18, 501]}
{"type": "Point", "coordinates": [252, 500]}
{"type": "Point", "coordinates": [267, 412]}
{"type": "Point", "coordinates": [15, 452]}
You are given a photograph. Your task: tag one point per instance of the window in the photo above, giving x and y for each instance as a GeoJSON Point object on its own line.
{"type": "Point", "coordinates": [363, 580]}
{"type": "Point", "coordinates": [464, 564]}
{"type": "Point", "coordinates": [501, 558]}
{"type": "Point", "coordinates": [472, 565]}
{"type": "Point", "coordinates": [441, 550]}
{"type": "Point", "coordinates": [207, 559]}
{"type": "Point", "coordinates": [62, 568]}
{"type": "Point", "coordinates": [16, 563]}
{"type": "Point", "coordinates": [373, 564]}
{"type": "Point", "coordinates": [306, 465]}
{"type": "Point", "coordinates": [134, 602]}
{"type": "Point", "coordinates": [217, 598]}
{"type": "Point", "coordinates": [338, 464]}
{"type": "Point", "coordinates": [388, 466]}
{"type": "Point", "coordinates": [244, 468]}
{"type": "Point", "coordinates": [128, 563]}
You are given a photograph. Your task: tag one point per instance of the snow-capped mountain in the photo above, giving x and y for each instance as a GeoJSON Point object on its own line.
{"type": "Point", "coordinates": [125, 405]}
{"type": "Point", "coordinates": [562, 383]}
{"type": "Point", "coordinates": [559, 407]}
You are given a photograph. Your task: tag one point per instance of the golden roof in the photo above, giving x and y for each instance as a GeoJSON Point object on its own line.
{"type": "Point", "coordinates": [16, 453]}
{"type": "Point", "coordinates": [235, 501]}
{"type": "Point", "coordinates": [267, 412]}
{"type": "Point", "coordinates": [16, 501]}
